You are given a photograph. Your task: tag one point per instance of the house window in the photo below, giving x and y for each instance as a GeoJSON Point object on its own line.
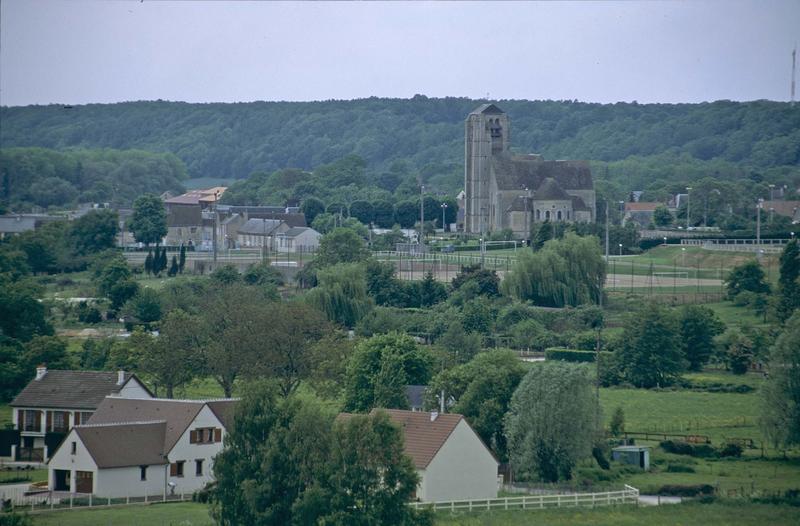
{"type": "Point", "coordinates": [142, 472]}
{"type": "Point", "coordinates": [73, 448]}
{"type": "Point", "coordinates": [31, 420]}
{"type": "Point", "coordinates": [60, 421]}
{"type": "Point", "coordinates": [85, 416]}
{"type": "Point", "coordinates": [198, 467]}
{"type": "Point", "coordinates": [205, 435]}
{"type": "Point", "coordinates": [176, 468]}
{"type": "Point", "coordinates": [558, 215]}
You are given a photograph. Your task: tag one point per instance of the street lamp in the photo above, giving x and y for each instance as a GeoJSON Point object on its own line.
{"type": "Point", "coordinates": [620, 249]}
{"type": "Point", "coordinates": [683, 256]}
{"type": "Point", "coordinates": [688, 205]}
{"type": "Point", "coordinates": [444, 226]}
{"type": "Point", "coordinates": [421, 214]}
{"type": "Point", "coordinates": [665, 240]}
{"type": "Point", "coordinates": [759, 205]}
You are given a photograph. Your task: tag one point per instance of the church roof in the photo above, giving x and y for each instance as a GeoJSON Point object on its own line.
{"type": "Point", "coordinates": [578, 205]}
{"type": "Point", "coordinates": [550, 190]}
{"type": "Point", "coordinates": [487, 109]}
{"type": "Point", "coordinates": [525, 172]}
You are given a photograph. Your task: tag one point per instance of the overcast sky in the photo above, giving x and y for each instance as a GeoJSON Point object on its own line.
{"type": "Point", "coordinates": [79, 52]}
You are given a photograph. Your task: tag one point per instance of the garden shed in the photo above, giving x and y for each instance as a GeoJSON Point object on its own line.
{"type": "Point", "coordinates": [634, 455]}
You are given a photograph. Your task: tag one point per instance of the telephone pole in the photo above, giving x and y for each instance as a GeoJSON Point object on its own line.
{"type": "Point", "coordinates": [794, 68]}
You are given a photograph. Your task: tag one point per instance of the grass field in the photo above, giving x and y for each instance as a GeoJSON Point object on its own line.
{"type": "Point", "coordinates": [33, 475]}
{"type": "Point", "coordinates": [716, 514]}
{"type": "Point", "coordinates": [183, 514]}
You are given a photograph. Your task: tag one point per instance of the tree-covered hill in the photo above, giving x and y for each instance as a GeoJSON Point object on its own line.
{"type": "Point", "coordinates": [234, 140]}
{"type": "Point", "coordinates": [46, 177]}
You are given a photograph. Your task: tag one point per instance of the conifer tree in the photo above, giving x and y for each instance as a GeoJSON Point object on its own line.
{"type": "Point", "coordinates": [163, 264]}
{"type": "Point", "coordinates": [789, 281]}
{"type": "Point", "coordinates": [148, 262]}
{"type": "Point", "coordinates": [182, 260]}
{"type": "Point", "coordinates": [173, 268]}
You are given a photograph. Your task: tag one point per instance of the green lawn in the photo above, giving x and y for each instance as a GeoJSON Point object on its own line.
{"type": "Point", "coordinates": [717, 514]}
{"type": "Point", "coordinates": [183, 514]}
{"type": "Point", "coordinates": [719, 415]}
{"type": "Point", "coordinates": [735, 316]}
{"type": "Point", "coordinates": [668, 515]}
{"type": "Point", "coordinates": [33, 475]}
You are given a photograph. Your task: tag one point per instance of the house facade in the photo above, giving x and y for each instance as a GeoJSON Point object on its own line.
{"type": "Point", "coordinates": [138, 447]}
{"type": "Point", "coordinates": [451, 460]}
{"type": "Point", "coordinates": [298, 239]}
{"type": "Point", "coordinates": [56, 401]}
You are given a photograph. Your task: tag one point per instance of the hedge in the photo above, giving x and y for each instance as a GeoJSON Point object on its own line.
{"type": "Point", "coordinates": [571, 355]}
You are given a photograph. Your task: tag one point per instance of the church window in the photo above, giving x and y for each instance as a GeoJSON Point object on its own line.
{"type": "Point", "coordinates": [547, 215]}
{"type": "Point", "coordinates": [558, 215]}
{"type": "Point", "coordinates": [538, 214]}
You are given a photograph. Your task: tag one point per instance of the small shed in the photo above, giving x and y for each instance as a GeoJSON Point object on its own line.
{"type": "Point", "coordinates": [634, 455]}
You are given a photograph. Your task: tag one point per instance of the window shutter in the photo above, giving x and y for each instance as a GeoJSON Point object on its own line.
{"type": "Point", "coordinates": [193, 437]}
{"type": "Point", "coordinates": [49, 420]}
{"type": "Point", "coordinates": [173, 469]}
{"type": "Point", "coordinates": [217, 435]}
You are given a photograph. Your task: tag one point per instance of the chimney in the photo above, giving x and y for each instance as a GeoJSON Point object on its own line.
{"type": "Point", "coordinates": [41, 371]}
{"type": "Point", "coordinates": [120, 377]}
{"type": "Point", "coordinates": [434, 416]}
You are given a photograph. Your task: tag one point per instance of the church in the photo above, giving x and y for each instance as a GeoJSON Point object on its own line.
{"type": "Point", "coordinates": [511, 191]}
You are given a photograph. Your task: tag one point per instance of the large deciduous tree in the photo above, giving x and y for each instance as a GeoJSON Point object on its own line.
{"type": "Point", "coordinates": [781, 392]}
{"type": "Point", "coordinates": [94, 232]}
{"type": "Point", "coordinates": [342, 245]}
{"type": "Point", "coordinates": [789, 281]}
{"type": "Point", "coordinates": [553, 421]}
{"type": "Point", "coordinates": [746, 277]}
{"type": "Point", "coordinates": [341, 293]}
{"type": "Point", "coordinates": [698, 325]}
{"type": "Point", "coordinates": [379, 370]}
{"type": "Point", "coordinates": [650, 354]}
{"type": "Point", "coordinates": [569, 271]}
{"type": "Point", "coordinates": [149, 220]}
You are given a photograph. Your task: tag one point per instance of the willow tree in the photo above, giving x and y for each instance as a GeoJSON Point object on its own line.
{"type": "Point", "coordinates": [568, 271]}
{"type": "Point", "coordinates": [341, 293]}
{"type": "Point", "coordinates": [553, 421]}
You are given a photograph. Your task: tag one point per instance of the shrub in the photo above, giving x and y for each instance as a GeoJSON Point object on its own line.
{"type": "Point", "coordinates": [731, 450]}
{"type": "Point", "coordinates": [689, 490]}
{"type": "Point", "coordinates": [684, 448]}
{"type": "Point", "coordinates": [569, 355]}
{"type": "Point", "coordinates": [679, 468]}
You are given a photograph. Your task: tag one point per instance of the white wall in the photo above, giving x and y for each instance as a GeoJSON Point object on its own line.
{"type": "Point", "coordinates": [463, 469]}
{"type": "Point", "coordinates": [126, 482]}
{"type": "Point", "coordinates": [187, 452]}
{"type": "Point", "coordinates": [64, 459]}
{"type": "Point", "coordinates": [133, 389]}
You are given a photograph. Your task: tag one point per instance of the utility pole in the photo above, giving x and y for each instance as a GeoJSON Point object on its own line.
{"type": "Point", "coordinates": [688, 205]}
{"type": "Point", "coordinates": [758, 221]}
{"type": "Point", "coordinates": [214, 234]}
{"type": "Point", "coordinates": [794, 56]}
{"type": "Point", "coordinates": [421, 215]}
{"type": "Point", "coordinates": [606, 231]}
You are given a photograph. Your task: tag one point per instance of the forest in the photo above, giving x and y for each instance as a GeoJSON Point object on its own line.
{"type": "Point", "coordinates": [633, 146]}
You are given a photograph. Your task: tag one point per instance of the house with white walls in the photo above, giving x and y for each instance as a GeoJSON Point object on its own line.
{"type": "Point", "coordinates": [55, 401]}
{"type": "Point", "coordinates": [451, 460]}
{"type": "Point", "coordinates": [142, 447]}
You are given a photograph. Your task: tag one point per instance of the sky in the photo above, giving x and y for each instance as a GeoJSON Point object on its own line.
{"type": "Point", "coordinates": [78, 52]}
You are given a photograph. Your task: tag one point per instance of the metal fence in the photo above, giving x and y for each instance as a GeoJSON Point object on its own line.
{"type": "Point", "coordinates": [629, 495]}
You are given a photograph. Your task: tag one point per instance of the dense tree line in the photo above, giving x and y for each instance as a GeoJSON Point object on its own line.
{"type": "Point", "coordinates": [60, 178]}
{"type": "Point", "coordinates": [402, 140]}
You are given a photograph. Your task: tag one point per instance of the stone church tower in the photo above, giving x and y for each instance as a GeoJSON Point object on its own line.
{"type": "Point", "coordinates": [506, 191]}
{"type": "Point", "coordinates": [487, 133]}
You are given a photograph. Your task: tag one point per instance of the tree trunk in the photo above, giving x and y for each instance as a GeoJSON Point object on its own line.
{"type": "Point", "coordinates": [169, 388]}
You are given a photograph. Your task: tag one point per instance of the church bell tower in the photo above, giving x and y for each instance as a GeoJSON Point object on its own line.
{"type": "Point", "coordinates": [486, 133]}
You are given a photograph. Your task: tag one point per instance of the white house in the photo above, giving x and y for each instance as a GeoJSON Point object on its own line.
{"type": "Point", "coordinates": [137, 447]}
{"type": "Point", "coordinates": [298, 239]}
{"type": "Point", "coordinates": [260, 233]}
{"type": "Point", "coordinates": [55, 401]}
{"type": "Point", "coordinates": [452, 461]}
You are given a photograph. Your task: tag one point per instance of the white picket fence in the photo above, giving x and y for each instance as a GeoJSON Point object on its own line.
{"type": "Point", "coordinates": [629, 495]}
